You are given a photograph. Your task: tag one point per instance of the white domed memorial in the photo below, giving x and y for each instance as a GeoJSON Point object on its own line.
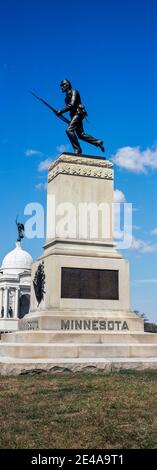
{"type": "Point", "coordinates": [15, 280]}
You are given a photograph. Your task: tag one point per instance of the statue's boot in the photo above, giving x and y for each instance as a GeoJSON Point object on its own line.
{"type": "Point", "coordinates": [78, 152]}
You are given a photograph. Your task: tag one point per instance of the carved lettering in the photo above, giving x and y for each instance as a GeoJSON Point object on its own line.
{"type": "Point", "coordinates": [105, 325]}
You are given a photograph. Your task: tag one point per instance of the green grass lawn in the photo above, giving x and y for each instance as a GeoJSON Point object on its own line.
{"type": "Point", "coordinates": [81, 410]}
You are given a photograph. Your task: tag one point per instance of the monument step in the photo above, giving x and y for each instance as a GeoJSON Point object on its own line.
{"type": "Point", "coordinates": [18, 366]}
{"type": "Point", "coordinates": [46, 336]}
{"type": "Point", "coordinates": [83, 312]}
{"type": "Point", "coordinates": [69, 350]}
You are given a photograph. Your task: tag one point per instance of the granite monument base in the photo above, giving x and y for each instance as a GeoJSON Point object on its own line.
{"type": "Point", "coordinates": [83, 320]}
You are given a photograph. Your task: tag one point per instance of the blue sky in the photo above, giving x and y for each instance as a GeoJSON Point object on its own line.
{"type": "Point", "coordinates": [108, 49]}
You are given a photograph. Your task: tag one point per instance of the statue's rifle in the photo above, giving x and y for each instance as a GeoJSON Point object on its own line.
{"type": "Point", "coordinates": [63, 118]}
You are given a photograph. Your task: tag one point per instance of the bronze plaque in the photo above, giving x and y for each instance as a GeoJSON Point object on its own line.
{"type": "Point", "coordinates": [80, 283]}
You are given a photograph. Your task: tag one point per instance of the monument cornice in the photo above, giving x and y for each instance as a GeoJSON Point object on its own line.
{"type": "Point", "coordinates": [70, 164]}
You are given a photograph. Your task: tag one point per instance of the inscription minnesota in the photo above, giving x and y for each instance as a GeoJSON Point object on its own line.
{"type": "Point", "coordinates": [109, 325]}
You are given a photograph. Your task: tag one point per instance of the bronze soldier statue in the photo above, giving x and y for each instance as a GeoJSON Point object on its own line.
{"type": "Point", "coordinates": [20, 228]}
{"type": "Point", "coordinates": [77, 112]}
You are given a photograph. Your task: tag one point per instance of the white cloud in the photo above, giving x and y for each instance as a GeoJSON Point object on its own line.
{"type": "Point", "coordinates": [122, 226]}
{"type": "Point", "coordinates": [154, 231]}
{"type": "Point", "coordinates": [143, 247]}
{"type": "Point", "coordinates": [136, 160]}
{"type": "Point", "coordinates": [41, 186]}
{"type": "Point", "coordinates": [62, 148]}
{"type": "Point", "coordinates": [31, 152]}
{"type": "Point", "coordinates": [119, 196]}
{"type": "Point", "coordinates": [44, 165]}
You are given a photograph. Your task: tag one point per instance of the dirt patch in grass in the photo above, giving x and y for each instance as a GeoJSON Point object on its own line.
{"type": "Point", "coordinates": [81, 410]}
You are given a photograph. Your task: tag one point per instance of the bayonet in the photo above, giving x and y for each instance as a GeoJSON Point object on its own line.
{"type": "Point", "coordinates": [63, 118]}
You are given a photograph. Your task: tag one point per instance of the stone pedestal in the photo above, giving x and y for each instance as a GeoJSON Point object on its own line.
{"type": "Point", "coordinates": [84, 319]}
{"type": "Point", "coordinates": [83, 269]}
